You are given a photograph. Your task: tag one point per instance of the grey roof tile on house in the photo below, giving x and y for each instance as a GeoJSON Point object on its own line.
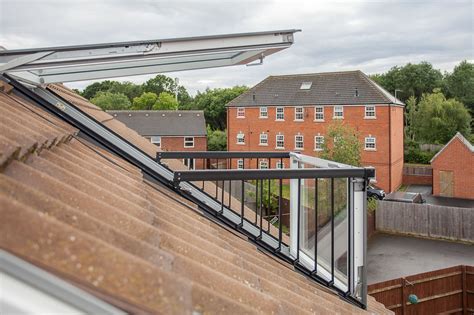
{"type": "Point", "coordinates": [163, 122]}
{"type": "Point", "coordinates": [330, 88]}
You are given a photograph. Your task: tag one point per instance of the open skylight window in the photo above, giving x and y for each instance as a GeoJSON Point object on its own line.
{"type": "Point", "coordinates": [306, 85]}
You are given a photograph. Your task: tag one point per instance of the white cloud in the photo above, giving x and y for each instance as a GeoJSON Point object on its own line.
{"type": "Point", "coordinates": [337, 35]}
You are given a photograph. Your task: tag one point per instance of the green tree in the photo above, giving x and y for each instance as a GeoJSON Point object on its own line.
{"type": "Point", "coordinates": [166, 101]}
{"type": "Point", "coordinates": [438, 119]}
{"type": "Point", "coordinates": [411, 79]}
{"type": "Point", "coordinates": [460, 84]}
{"type": "Point", "coordinates": [146, 101]}
{"type": "Point", "coordinates": [216, 139]}
{"type": "Point", "coordinates": [342, 144]}
{"type": "Point", "coordinates": [91, 90]}
{"type": "Point", "coordinates": [213, 102]}
{"type": "Point", "coordinates": [111, 101]}
{"type": "Point", "coordinates": [410, 116]}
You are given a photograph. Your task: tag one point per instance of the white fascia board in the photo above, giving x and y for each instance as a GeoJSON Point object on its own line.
{"type": "Point", "coordinates": [77, 63]}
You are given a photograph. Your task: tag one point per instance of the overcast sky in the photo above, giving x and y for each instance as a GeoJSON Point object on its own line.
{"type": "Point", "coordinates": [371, 36]}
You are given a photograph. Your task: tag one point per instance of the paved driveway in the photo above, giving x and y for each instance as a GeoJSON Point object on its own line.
{"type": "Point", "coordinates": [391, 256]}
{"type": "Point", "coordinates": [441, 201]}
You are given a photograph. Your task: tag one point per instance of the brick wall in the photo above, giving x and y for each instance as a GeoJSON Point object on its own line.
{"type": "Point", "coordinates": [177, 144]}
{"type": "Point", "coordinates": [456, 157]}
{"type": "Point", "coordinates": [252, 125]}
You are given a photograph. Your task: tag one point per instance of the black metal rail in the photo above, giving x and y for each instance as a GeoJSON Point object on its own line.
{"type": "Point", "coordinates": [220, 154]}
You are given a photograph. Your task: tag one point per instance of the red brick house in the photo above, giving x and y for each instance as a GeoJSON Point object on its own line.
{"type": "Point", "coordinates": [178, 130]}
{"type": "Point", "coordinates": [453, 169]}
{"type": "Point", "coordinates": [293, 112]}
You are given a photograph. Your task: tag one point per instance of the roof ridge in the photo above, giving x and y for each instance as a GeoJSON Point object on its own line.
{"type": "Point", "coordinates": [461, 138]}
{"type": "Point", "coordinates": [314, 73]}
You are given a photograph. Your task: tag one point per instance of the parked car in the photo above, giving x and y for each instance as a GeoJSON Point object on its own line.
{"type": "Point", "coordinates": [373, 192]}
{"type": "Point", "coordinates": [401, 196]}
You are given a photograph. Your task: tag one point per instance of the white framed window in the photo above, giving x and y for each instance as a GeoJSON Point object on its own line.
{"type": "Point", "coordinates": [369, 112]}
{"type": "Point", "coordinates": [319, 113]}
{"type": "Point", "coordinates": [338, 112]}
{"type": "Point", "coordinates": [156, 140]}
{"type": "Point", "coordinates": [263, 139]}
{"type": "Point", "coordinates": [370, 143]}
{"type": "Point", "coordinates": [299, 114]}
{"type": "Point", "coordinates": [280, 113]}
{"type": "Point", "coordinates": [306, 85]}
{"type": "Point", "coordinates": [280, 165]}
{"type": "Point", "coordinates": [240, 164]}
{"type": "Point", "coordinates": [263, 112]}
{"type": "Point", "coordinates": [240, 138]}
{"type": "Point", "coordinates": [299, 144]}
{"type": "Point", "coordinates": [263, 164]}
{"type": "Point", "coordinates": [240, 112]}
{"type": "Point", "coordinates": [189, 142]}
{"type": "Point", "coordinates": [318, 143]}
{"type": "Point", "coordinates": [280, 142]}
{"type": "Point", "coordinates": [190, 163]}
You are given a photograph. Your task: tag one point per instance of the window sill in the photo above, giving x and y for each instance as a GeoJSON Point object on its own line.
{"type": "Point", "coordinates": [263, 144]}
{"type": "Point", "coordinates": [318, 150]}
{"type": "Point", "coordinates": [301, 149]}
{"type": "Point", "coordinates": [279, 120]}
{"type": "Point", "coordinates": [262, 117]}
{"type": "Point", "coordinates": [189, 147]}
{"type": "Point", "coordinates": [370, 150]}
{"type": "Point", "coordinates": [240, 143]}
{"type": "Point", "coordinates": [318, 120]}
{"type": "Point", "coordinates": [337, 117]}
{"type": "Point", "coordinates": [370, 117]}
{"type": "Point", "coordinates": [240, 117]}
{"type": "Point", "coordinates": [298, 120]}
{"type": "Point", "coordinates": [278, 148]}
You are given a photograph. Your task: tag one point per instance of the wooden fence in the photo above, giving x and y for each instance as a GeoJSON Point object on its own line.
{"type": "Point", "coordinates": [444, 291]}
{"type": "Point", "coordinates": [425, 220]}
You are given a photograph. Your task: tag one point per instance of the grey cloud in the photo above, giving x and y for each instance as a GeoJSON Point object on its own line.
{"type": "Point", "coordinates": [368, 35]}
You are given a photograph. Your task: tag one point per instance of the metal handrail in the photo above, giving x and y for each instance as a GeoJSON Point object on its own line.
{"type": "Point", "coordinates": [221, 154]}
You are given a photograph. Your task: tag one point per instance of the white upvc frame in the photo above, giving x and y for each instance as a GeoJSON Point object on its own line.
{"type": "Point", "coordinates": [123, 59]}
{"type": "Point", "coordinates": [299, 111]}
{"type": "Point", "coordinates": [156, 140]}
{"type": "Point", "coordinates": [297, 141]}
{"type": "Point", "coordinates": [318, 142]}
{"type": "Point", "coordinates": [263, 164]}
{"type": "Point", "coordinates": [240, 164]}
{"type": "Point", "coordinates": [280, 138]}
{"type": "Point", "coordinates": [263, 136]}
{"type": "Point", "coordinates": [263, 112]}
{"type": "Point", "coordinates": [240, 138]}
{"type": "Point", "coordinates": [319, 110]}
{"type": "Point", "coordinates": [370, 112]}
{"type": "Point", "coordinates": [370, 143]}
{"type": "Point", "coordinates": [188, 142]}
{"type": "Point", "coordinates": [338, 112]}
{"type": "Point", "coordinates": [240, 112]}
{"type": "Point", "coordinates": [280, 110]}
{"type": "Point", "coordinates": [357, 220]}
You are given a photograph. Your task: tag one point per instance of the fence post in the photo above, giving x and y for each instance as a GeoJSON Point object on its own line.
{"type": "Point", "coordinates": [464, 290]}
{"type": "Point", "coordinates": [404, 305]}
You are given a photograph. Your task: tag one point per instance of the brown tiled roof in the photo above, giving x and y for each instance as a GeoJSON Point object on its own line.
{"type": "Point", "coordinates": [90, 217]}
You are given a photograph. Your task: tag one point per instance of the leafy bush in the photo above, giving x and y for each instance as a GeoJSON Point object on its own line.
{"type": "Point", "coordinates": [371, 205]}
{"type": "Point", "coordinates": [417, 156]}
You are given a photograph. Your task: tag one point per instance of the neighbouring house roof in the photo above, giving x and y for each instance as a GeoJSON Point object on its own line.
{"type": "Point", "coordinates": [163, 122]}
{"type": "Point", "coordinates": [88, 216]}
{"type": "Point", "coordinates": [330, 88]}
{"type": "Point", "coordinates": [461, 138]}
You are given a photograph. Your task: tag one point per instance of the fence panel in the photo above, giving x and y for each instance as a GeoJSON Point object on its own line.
{"type": "Point", "coordinates": [447, 291]}
{"type": "Point", "coordinates": [426, 220]}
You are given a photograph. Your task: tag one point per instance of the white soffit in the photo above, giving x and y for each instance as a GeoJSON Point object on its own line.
{"type": "Point", "coordinates": [100, 61]}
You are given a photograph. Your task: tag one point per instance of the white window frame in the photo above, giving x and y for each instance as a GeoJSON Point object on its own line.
{"type": "Point", "coordinates": [188, 142]}
{"type": "Point", "coordinates": [280, 165]}
{"type": "Point", "coordinates": [282, 140]}
{"type": "Point", "coordinates": [320, 143]}
{"type": "Point", "coordinates": [370, 116]}
{"type": "Point", "coordinates": [263, 136]}
{"type": "Point", "coordinates": [297, 113]}
{"type": "Point", "coordinates": [240, 164]}
{"type": "Point", "coordinates": [282, 114]}
{"type": "Point", "coordinates": [338, 109]}
{"type": "Point", "coordinates": [263, 112]}
{"type": "Point", "coordinates": [316, 113]}
{"type": "Point", "coordinates": [263, 164]}
{"type": "Point", "coordinates": [240, 112]}
{"type": "Point", "coordinates": [299, 141]}
{"type": "Point", "coordinates": [156, 140]}
{"type": "Point", "coordinates": [240, 136]}
{"type": "Point", "coordinates": [370, 141]}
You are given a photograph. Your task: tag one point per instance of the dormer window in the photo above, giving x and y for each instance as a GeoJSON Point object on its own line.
{"type": "Point", "coordinates": [306, 85]}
